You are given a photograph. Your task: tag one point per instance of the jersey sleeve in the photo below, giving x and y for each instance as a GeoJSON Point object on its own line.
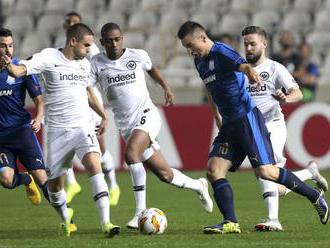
{"type": "Point", "coordinates": [93, 74]}
{"type": "Point", "coordinates": [35, 64]}
{"type": "Point", "coordinates": [33, 86]}
{"type": "Point", "coordinates": [231, 59]}
{"type": "Point", "coordinates": [146, 61]}
{"type": "Point", "coordinates": [283, 77]}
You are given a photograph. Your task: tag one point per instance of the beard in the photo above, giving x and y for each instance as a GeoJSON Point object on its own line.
{"type": "Point", "coordinates": [253, 58]}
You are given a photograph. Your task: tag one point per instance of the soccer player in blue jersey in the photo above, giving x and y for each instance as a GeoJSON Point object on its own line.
{"type": "Point", "coordinates": [17, 130]}
{"type": "Point", "coordinates": [242, 127]}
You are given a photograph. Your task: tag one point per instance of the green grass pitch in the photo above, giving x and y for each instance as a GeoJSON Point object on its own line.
{"type": "Point", "coordinates": [24, 225]}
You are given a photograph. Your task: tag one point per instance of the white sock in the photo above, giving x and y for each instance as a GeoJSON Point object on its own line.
{"type": "Point", "coordinates": [58, 201]}
{"type": "Point", "coordinates": [182, 181]}
{"type": "Point", "coordinates": [139, 178]}
{"type": "Point", "coordinates": [303, 175]}
{"type": "Point", "coordinates": [70, 177]}
{"type": "Point", "coordinates": [108, 168]}
{"type": "Point", "coordinates": [111, 179]}
{"type": "Point", "coordinates": [270, 194]}
{"type": "Point", "coordinates": [101, 197]}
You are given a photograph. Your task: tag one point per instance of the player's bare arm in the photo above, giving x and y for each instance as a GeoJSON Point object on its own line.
{"type": "Point", "coordinates": [157, 76]}
{"type": "Point", "coordinates": [36, 121]}
{"type": "Point", "coordinates": [250, 73]}
{"type": "Point", "coordinates": [214, 109]}
{"type": "Point", "coordinates": [293, 95]}
{"type": "Point", "coordinates": [98, 108]}
{"type": "Point", "coordinates": [13, 70]}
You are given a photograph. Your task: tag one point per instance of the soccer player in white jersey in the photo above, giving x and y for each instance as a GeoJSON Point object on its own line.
{"type": "Point", "coordinates": [120, 72]}
{"type": "Point", "coordinates": [268, 97]}
{"type": "Point", "coordinates": [72, 186]}
{"type": "Point", "coordinates": [68, 95]}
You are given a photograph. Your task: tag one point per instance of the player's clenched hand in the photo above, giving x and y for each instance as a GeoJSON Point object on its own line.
{"type": "Point", "coordinates": [4, 61]}
{"type": "Point", "coordinates": [254, 77]}
{"type": "Point", "coordinates": [100, 129]}
{"type": "Point", "coordinates": [36, 125]}
{"type": "Point", "coordinates": [279, 96]}
{"type": "Point", "coordinates": [169, 97]}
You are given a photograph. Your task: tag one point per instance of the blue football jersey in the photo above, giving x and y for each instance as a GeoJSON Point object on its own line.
{"type": "Point", "coordinates": [225, 84]}
{"type": "Point", "coordinates": [12, 100]}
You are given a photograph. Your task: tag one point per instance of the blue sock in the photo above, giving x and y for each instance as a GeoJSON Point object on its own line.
{"type": "Point", "coordinates": [223, 195]}
{"type": "Point", "coordinates": [44, 189]}
{"type": "Point", "coordinates": [19, 179]}
{"type": "Point", "coordinates": [291, 181]}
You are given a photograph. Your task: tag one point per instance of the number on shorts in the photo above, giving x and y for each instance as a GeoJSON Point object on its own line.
{"type": "Point", "coordinates": [143, 120]}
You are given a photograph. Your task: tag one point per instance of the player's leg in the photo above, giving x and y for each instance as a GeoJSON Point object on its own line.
{"type": "Point", "coordinates": [311, 172]}
{"type": "Point", "coordinates": [223, 195]}
{"type": "Point", "coordinates": [158, 165]}
{"type": "Point", "coordinates": [269, 189]}
{"type": "Point", "coordinates": [88, 152]}
{"type": "Point", "coordinates": [72, 187]}
{"type": "Point", "coordinates": [25, 146]}
{"type": "Point", "coordinates": [30, 155]}
{"type": "Point", "coordinates": [59, 155]}
{"type": "Point", "coordinates": [109, 171]}
{"type": "Point", "coordinates": [260, 152]}
{"type": "Point", "coordinates": [289, 180]}
{"type": "Point", "coordinates": [92, 163]}
{"type": "Point", "coordinates": [137, 143]}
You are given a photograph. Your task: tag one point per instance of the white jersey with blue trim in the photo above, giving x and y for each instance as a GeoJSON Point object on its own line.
{"type": "Point", "coordinates": [65, 93]}
{"type": "Point", "coordinates": [274, 76]}
{"type": "Point", "coordinates": [123, 84]}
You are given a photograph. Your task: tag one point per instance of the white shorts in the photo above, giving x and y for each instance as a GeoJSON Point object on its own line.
{"type": "Point", "coordinates": [63, 144]}
{"type": "Point", "coordinates": [278, 134]}
{"type": "Point", "coordinates": [150, 122]}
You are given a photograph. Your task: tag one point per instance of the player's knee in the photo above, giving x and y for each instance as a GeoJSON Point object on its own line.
{"type": "Point", "coordinates": [131, 156]}
{"type": "Point", "coordinates": [265, 172]}
{"type": "Point", "coordinates": [6, 182]}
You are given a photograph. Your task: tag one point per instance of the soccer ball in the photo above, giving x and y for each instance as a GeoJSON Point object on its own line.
{"type": "Point", "coordinates": [152, 221]}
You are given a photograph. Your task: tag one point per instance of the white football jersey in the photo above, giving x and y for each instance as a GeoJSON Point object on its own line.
{"type": "Point", "coordinates": [123, 84]}
{"type": "Point", "coordinates": [65, 94]}
{"type": "Point", "coordinates": [274, 76]}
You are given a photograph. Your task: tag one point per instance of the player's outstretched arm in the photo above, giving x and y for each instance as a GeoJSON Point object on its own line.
{"type": "Point", "coordinates": [13, 70]}
{"type": "Point", "coordinates": [157, 76]}
{"type": "Point", "coordinates": [250, 72]}
{"type": "Point", "coordinates": [98, 108]}
{"type": "Point", "coordinates": [36, 122]}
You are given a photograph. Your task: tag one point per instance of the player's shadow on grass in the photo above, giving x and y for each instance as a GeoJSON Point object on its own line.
{"type": "Point", "coordinates": [28, 234]}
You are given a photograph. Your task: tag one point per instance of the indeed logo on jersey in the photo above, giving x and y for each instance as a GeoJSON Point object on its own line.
{"type": "Point", "coordinates": [72, 77]}
{"type": "Point", "coordinates": [6, 92]}
{"type": "Point", "coordinates": [209, 79]}
{"type": "Point", "coordinates": [121, 78]}
{"type": "Point", "coordinates": [251, 89]}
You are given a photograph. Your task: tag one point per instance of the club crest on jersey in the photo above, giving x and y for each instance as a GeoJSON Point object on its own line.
{"type": "Point", "coordinates": [131, 65]}
{"type": "Point", "coordinates": [10, 80]}
{"type": "Point", "coordinates": [211, 65]}
{"type": "Point", "coordinates": [264, 75]}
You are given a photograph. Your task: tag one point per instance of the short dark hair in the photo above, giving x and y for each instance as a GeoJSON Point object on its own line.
{"type": "Point", "coordinates": [254, 30]}
{"type": "Point", "coordinates": [188, 28]}
{"type": "Point", "coordinates": [72, 13]}
{"type": "Point", "coordinates": [78, 31]}
{"type": "Point", "coordinates": [4, 32]}
{"type": "Point", "coordinates": [109, 27]}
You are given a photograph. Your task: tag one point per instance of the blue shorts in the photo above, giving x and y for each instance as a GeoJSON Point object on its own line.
{"type": "Point", "coordinates": [21, 144]}
{"type": "Point", "coordinates": [246, 136]}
